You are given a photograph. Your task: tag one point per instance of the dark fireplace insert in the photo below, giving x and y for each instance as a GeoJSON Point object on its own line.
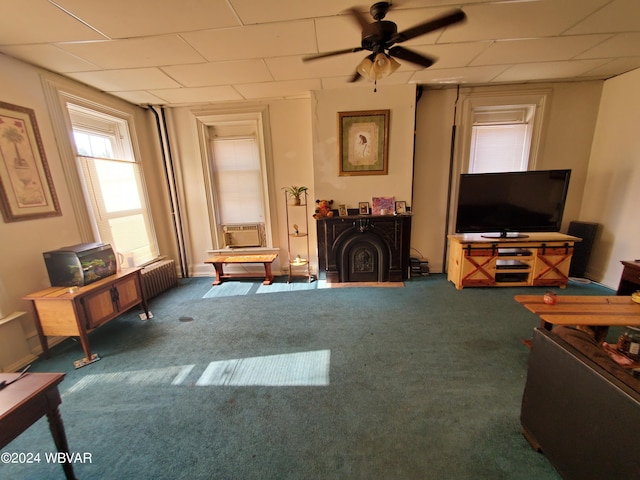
{"type": "Point", "coordinates": [359, 248]}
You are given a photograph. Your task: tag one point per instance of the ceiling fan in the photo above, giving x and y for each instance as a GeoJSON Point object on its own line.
{"type": "Point", "coordinates": [380, 38]}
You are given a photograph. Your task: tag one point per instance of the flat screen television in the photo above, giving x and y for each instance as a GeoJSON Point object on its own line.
{"type": "Point", "coordinates": [508, 203]}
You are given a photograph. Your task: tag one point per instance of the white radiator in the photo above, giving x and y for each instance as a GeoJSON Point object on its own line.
{"type": "Point", "coordinates": [247, 235]}
{"type": "Point", "coordinates": [159, 277]}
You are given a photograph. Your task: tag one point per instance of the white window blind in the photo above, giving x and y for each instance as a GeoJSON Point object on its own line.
{"type": "Point", "coordinates": [238, 180]}
{"type": "Point", "coordinates": [501, 139]}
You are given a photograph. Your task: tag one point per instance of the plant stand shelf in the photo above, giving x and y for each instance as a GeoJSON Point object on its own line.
{"type": "Point", "coordinates": [298, 239]}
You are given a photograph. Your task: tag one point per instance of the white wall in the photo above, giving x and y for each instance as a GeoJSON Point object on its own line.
{"type": "Point", "coordinates": [350, 190]}
{"type": "Point", "coordinates": [612, 189]}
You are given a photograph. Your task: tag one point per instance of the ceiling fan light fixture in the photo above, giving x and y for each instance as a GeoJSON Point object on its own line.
{"type": "Point", "coordinates": [382, 66]}
{"type": "Point", "coordinates": [364, 68]}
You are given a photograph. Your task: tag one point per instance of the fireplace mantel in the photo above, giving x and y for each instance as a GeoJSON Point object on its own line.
{"type": "Point", "coordinates": [382, 240]}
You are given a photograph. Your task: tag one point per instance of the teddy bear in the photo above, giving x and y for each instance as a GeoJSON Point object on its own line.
{"type": "Point", "coordinates": [323, 209]}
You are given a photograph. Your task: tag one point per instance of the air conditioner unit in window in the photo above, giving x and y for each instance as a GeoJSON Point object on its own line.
{"type": "Point", "coordinates": [246, 235]}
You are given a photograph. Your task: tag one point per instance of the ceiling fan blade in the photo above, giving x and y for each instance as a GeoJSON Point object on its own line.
{"type": "Point", "coordinates": [359, 17]}
{"type": "Point", "coordinates": [411, 56]}
{"type": "Point", "coordinates": [356, 76]}
{"type": "Point", "coordinates": [331, 54]}
{"type": "Point", "coordinates": [450, 18]}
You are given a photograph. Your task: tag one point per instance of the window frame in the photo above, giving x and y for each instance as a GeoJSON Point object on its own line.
{"type": "Point", "coordinates": [58, 93]}
{"type": "Point", "coordinates": [473, 100]}
{"type": "Point", "coordinates": [205, 119]}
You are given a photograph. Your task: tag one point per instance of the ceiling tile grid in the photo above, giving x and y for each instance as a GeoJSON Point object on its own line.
{"type": "Point", "coordinates": [178, 52]}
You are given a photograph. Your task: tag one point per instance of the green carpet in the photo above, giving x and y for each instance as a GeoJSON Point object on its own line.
{"type": "Point", "coordinates": [420, 382]}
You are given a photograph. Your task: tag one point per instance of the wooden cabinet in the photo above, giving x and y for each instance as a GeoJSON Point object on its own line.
{"type": "Point", "coordinates": [630, 278]}
{"type": "Point", "coordinates": [76, 311]}
{"type": "Point", "coordinates": [540, 259]}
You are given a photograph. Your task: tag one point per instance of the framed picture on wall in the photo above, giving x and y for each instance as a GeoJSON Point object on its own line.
{"type": "Point", "coordinates": [363, 142]}
{"type": "Point", "coordinates": [26, 188]}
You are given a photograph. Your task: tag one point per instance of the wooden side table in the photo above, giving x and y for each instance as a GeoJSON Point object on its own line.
{"type": "Point", "coordinates": [77, 311]}
{"type": "Point", "coordinates": [630, 279]}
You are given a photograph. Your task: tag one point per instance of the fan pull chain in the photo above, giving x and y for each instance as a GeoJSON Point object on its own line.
{"type": "Point", "coordinates": [375, 85]}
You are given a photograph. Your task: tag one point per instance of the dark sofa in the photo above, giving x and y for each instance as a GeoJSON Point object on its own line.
{"type": "Point", "coordinates": [580, 408]}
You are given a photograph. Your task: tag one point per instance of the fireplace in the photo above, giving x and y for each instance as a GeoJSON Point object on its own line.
{"type": "Point", "coordinates": [364, 248]}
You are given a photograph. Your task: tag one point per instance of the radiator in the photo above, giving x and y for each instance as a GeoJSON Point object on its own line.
{"type": "Point", "coordinates": [159, 277]}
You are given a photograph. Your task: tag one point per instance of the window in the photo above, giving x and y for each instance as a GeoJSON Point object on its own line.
{"type": "Point", "coordinates": [113, 184]}
{"type": "Point", "coordinates": [237, 175]}
{"type": "Point", "coordinates": [237, 180]}
{"type": "Point", "coordinates": [501, 138]}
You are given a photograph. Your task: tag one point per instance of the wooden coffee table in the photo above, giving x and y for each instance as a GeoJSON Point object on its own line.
{"type": "Point", "coordinates": [218, 262]}
{"type": "Point", "coordinates": [583, 310]}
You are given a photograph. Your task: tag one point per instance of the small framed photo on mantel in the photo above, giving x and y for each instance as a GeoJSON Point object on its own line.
{"type": "Point", "coordinates": [363, 208]}
{"type": "Point", "coordinates": [383, 205]}
{"type": "Point", "coordinates": [401, 207]}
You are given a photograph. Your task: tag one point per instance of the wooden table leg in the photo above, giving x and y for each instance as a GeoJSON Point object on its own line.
{"type": "Point", "coordinates": [268, 280]}
{"type": "Point", "coordinates": [59, 436]}
{"type": "Point", "coordinates": [43, 339]}
{"type": "Point", "coordinates": [219, 273]}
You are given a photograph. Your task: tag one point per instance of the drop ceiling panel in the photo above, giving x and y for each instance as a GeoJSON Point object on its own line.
{"type": "Point", "coordinates": [537, 50]}
{"type": "Point", "coordinates": [470, 75]}
{"type": "Point", "coordinates": [614, 67]}
{"type": "Point", "coordinates": [292, 67]}
{"type": "Point", "coordinates": [547, 70]}
{"type": "Point", "coordinates": [136, 52]}
{"type": "Point", "coordinates": [286, 38]}
{"type": "Point", "coordinates": [617, 16]}
{"type": "Point", "coordinates": [293, 88]}
{"type": "Point", "coordinates": [621, 45]}
{"type": "Point", "coordinates": [38, 21]}
{"type": "Point", "coordinates": [197, 95]}
{"type": "Point", "coordinates": [50, 57]}
{"type": "Point", "coordinates": [132, 79]}
{"type": "Point", "coordinates": [137, 18]}
{"type": "Point", "coordinates": [219, 73]}
{"type": "Point", "coordinates": [451, 55]}
{"type": "Point", "coordinates": [526, 19]}
{"type": "Point", "coordinates": [140, 97]}
{"type": "Point", "coordinates": [252, 11]}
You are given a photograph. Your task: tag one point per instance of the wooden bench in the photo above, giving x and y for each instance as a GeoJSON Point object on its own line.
{"type": "Point", "coordinates": [218, 262]}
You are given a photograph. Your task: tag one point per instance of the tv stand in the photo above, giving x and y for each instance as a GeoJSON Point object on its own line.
{"type": "Point", "coordinates": [538, 259]}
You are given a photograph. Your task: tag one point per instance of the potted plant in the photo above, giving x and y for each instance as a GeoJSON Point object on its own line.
{"type": "Point", "coordinates": [294, 193]}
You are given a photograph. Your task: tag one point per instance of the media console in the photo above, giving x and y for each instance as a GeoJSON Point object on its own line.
{"type": "Point", "coordinates": [539, 259]}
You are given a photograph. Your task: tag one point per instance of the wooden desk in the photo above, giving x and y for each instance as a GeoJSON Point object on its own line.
{"type": "Point", "coordinates": [218, 262]}
{"type": "Point", "coordinates": [583, 310]}
{"type": "Point", "coordinates": [76, 312]}
{"type": "Point", "coordinates": [24, 402]}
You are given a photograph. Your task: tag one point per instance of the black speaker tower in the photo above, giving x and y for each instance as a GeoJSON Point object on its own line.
{"type": "Point", "coordinates": [582, 250]}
